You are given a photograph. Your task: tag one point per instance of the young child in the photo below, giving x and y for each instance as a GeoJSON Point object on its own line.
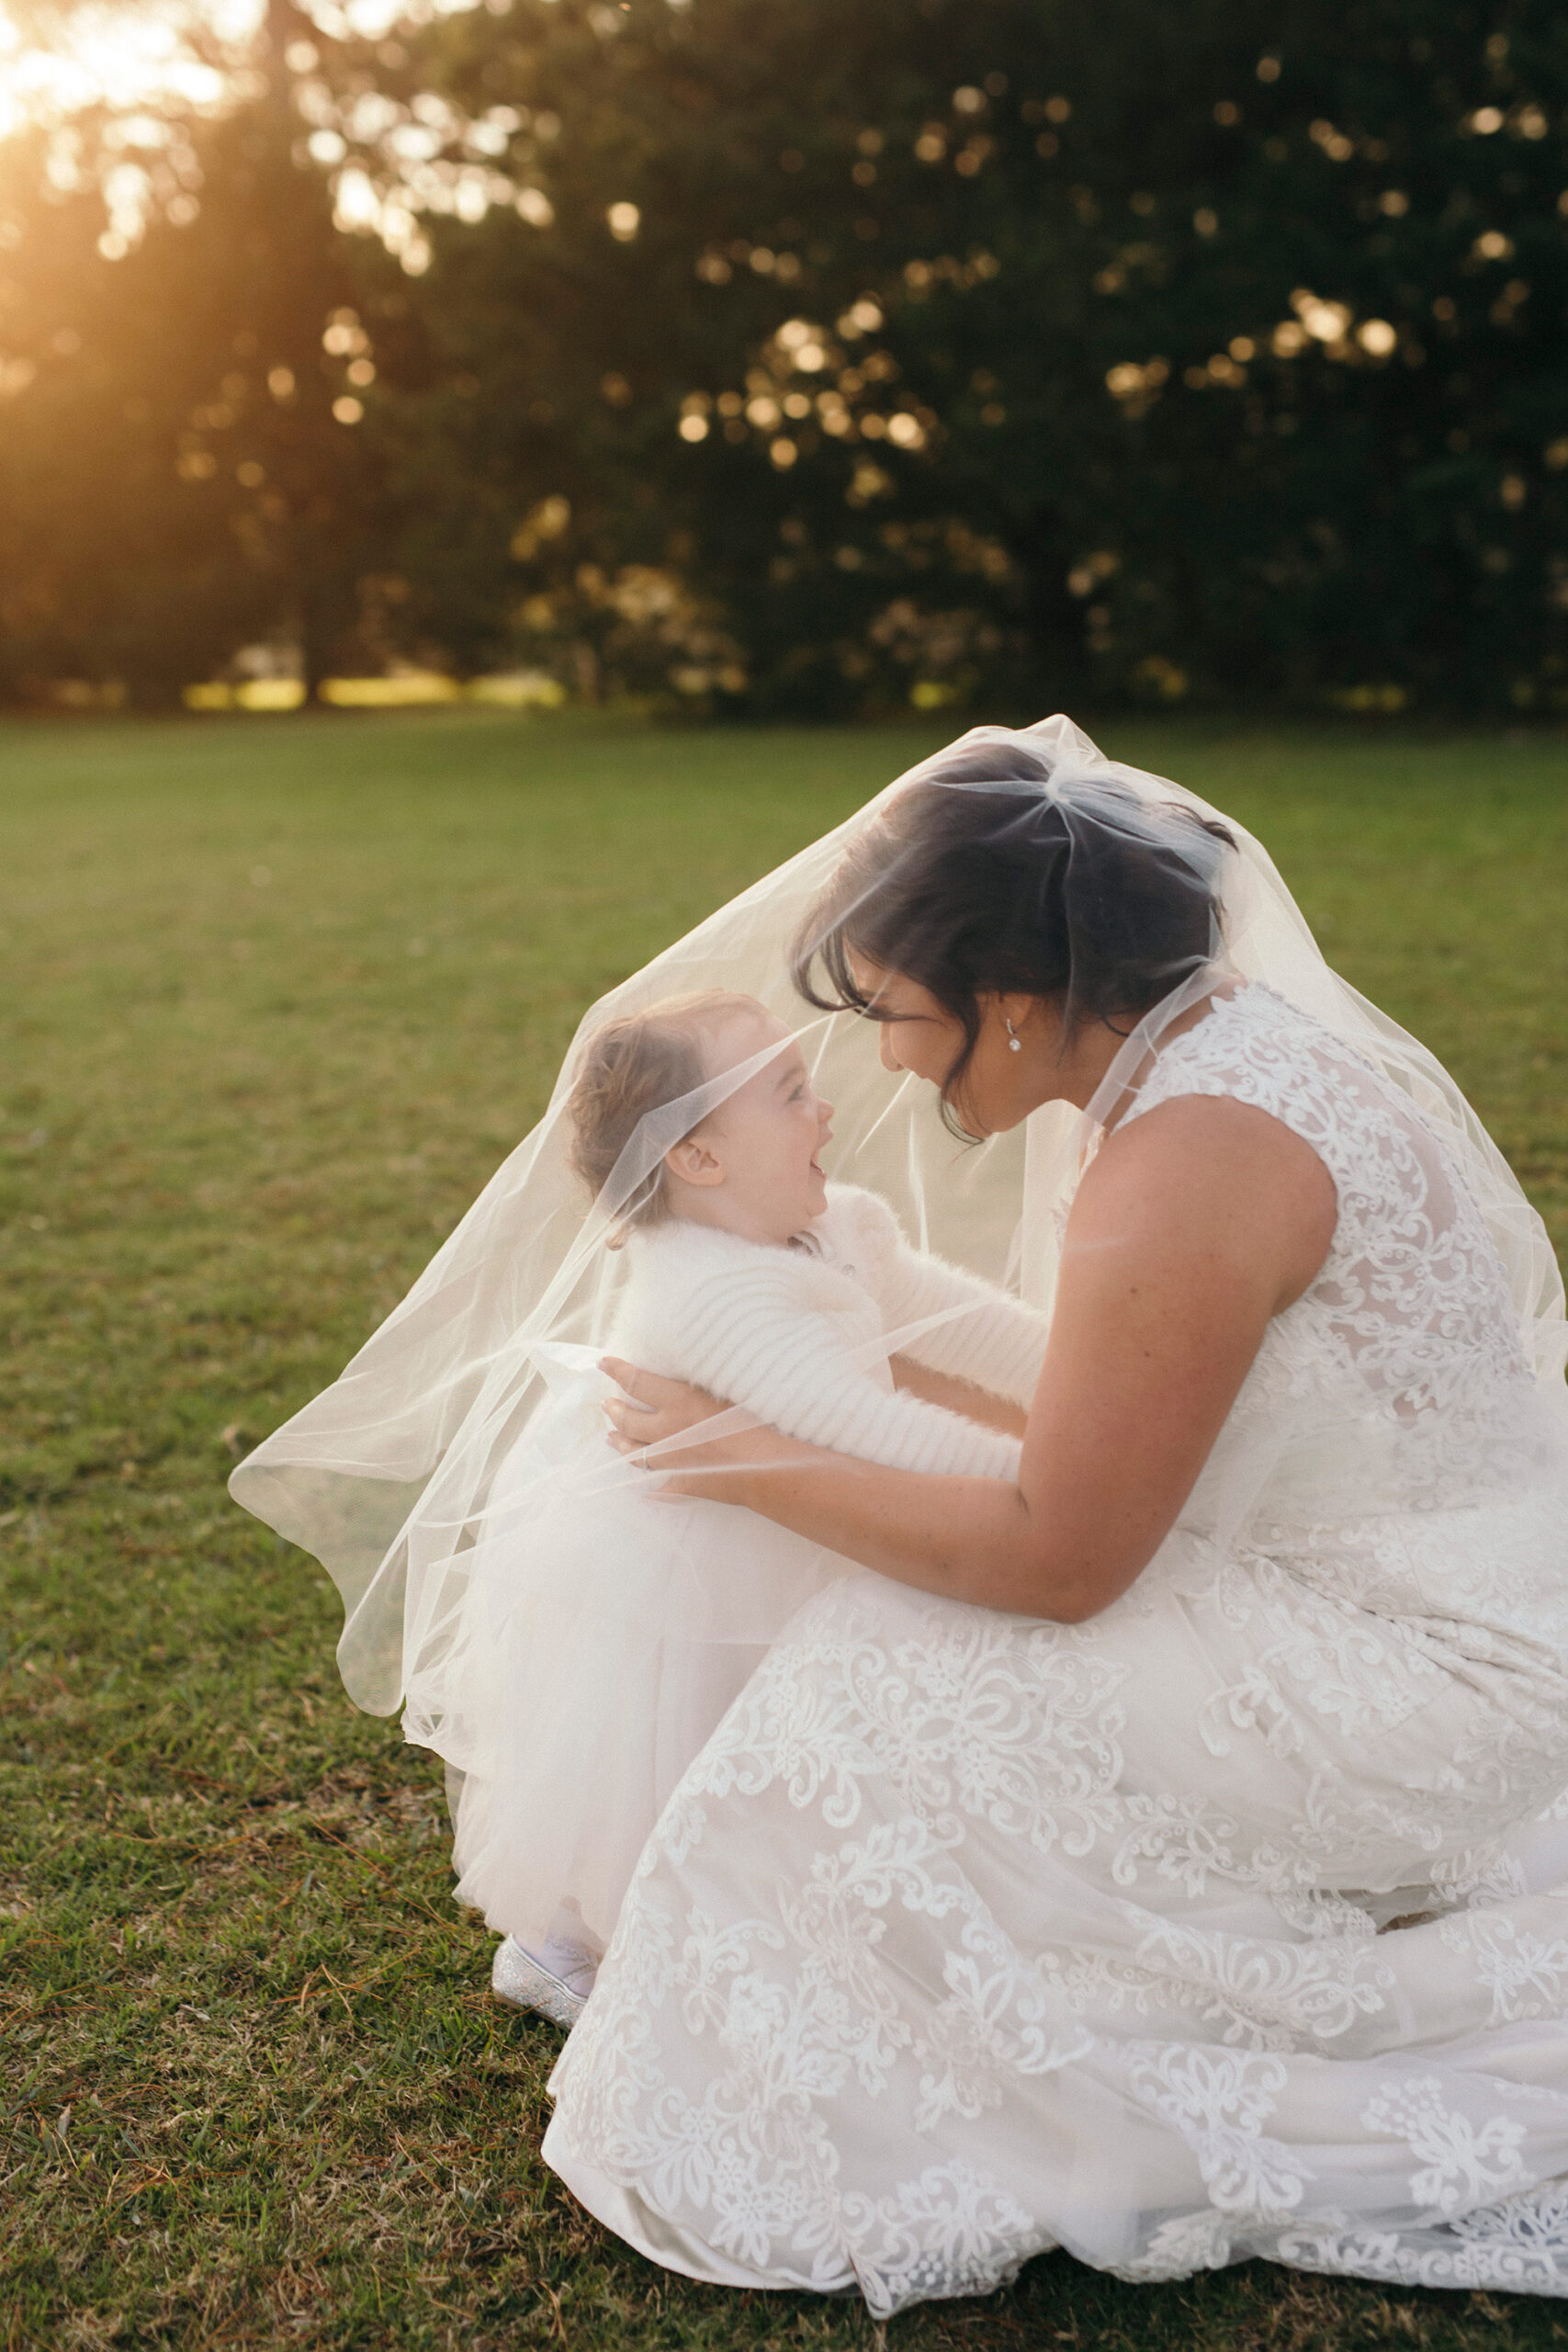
{"type": "Point", "coordinates": [619, 1632]}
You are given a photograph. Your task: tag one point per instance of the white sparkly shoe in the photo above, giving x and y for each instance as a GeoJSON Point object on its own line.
{"type": "Point", "coordinates": [524, 1981]}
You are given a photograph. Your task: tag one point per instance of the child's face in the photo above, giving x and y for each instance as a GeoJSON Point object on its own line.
{"type": "Point", "coordinates": [753, 1162]}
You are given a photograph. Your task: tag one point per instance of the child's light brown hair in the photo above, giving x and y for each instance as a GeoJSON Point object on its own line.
{"type": "Point", "coordinates": [633, 1064]}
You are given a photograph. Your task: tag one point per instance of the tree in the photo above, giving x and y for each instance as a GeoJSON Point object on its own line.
{"type": "Point", "coordinates": [173, 481]}
{"type": "Point", "coordinates": [818, 357]}
{"type": "Point", "coordinates": [1020, 349]}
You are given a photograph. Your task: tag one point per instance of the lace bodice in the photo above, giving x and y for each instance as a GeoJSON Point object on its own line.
{"type": "Point", "coordinates": [1397, 1378]}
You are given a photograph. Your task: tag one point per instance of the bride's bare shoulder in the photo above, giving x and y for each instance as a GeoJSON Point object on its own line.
{"type": "Point", "coordinates": [1206, 1174]}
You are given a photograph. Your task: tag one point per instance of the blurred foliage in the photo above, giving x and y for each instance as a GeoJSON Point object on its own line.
{"type": "Point", "coordinates": [172, 481]}
{"type": "Point", "coordinates": [819, 358]}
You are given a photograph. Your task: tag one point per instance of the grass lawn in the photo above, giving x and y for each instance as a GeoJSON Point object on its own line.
{"type": "Point", "coordinates": [277, 995]}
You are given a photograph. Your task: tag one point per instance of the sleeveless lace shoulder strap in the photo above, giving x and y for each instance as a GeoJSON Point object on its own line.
{"type": "Point", "coordinates": [1418, 1293]}
{"type": "Point", "coordinates": [1256, 1048]}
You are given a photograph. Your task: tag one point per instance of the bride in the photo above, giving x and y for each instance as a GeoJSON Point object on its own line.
{"type": "Point", "coordinates": [1164, 1856]}
{"type": "Point", "coordinates": [1156, 1854]}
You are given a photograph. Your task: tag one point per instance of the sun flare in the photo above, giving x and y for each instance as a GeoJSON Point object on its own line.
{"type": "Point", "coordinates": [119, 57]}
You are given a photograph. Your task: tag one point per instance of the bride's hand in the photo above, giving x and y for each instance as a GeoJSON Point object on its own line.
{"type": "Point", "coordinates": [652, 1408]}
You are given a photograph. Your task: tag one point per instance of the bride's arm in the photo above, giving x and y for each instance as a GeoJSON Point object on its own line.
{"type": "Point", "coordinates": [982, 1405]}
{"type": "Point", "coordinates": [1192, 1227]}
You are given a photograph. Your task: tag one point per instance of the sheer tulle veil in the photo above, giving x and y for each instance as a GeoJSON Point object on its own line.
{"type": "Point", "coordinates": [389, 1476]}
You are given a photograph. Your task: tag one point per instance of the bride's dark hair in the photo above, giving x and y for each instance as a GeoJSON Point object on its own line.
{"type": "Point", "coordinates": [973, 888]}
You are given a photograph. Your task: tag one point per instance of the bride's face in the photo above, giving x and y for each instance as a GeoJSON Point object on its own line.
{"type": "Point", "coordinates": [999, 1087]}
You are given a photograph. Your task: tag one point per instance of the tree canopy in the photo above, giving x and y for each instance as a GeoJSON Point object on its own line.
{"type": "Point", "coordinates": [813, 358]}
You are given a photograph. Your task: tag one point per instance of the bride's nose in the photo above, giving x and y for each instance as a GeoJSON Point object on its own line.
{"type": "Point", "coordinates": [884, 1052]}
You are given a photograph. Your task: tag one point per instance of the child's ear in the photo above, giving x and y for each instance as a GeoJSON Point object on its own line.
{"type": "Point", "coordinates": [692, 1162]}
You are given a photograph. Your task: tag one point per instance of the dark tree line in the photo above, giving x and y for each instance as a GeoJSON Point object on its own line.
{"type": "Point", "coordinates": [812, 358]}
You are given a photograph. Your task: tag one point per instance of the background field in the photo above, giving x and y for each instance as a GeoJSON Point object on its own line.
{"type": "Point", "coordinates": [276, 999]}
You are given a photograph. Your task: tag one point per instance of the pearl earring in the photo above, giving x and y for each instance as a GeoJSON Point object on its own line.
{"type": "Point", "coordinates": [1015, 1043]}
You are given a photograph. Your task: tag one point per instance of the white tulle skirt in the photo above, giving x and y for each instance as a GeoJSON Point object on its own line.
{"type": "Point", "coordinates": [604, 1632]}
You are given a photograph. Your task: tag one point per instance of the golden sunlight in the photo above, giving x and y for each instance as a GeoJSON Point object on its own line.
{"type": "Point", "coordinates": [122, 57]}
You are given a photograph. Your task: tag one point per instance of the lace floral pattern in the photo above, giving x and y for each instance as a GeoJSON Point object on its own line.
{"type": "Point", "coordinates": [1223, 1925]}
{"type": "Point", "coordinates": [1410, 1315]}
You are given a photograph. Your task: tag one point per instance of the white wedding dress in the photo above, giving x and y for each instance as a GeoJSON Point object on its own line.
{"type": "Point", "coordinates": [1232, 1922]}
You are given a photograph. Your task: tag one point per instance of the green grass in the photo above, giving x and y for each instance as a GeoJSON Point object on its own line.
{"type": "Point", "coordinates": [256, 2092]}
